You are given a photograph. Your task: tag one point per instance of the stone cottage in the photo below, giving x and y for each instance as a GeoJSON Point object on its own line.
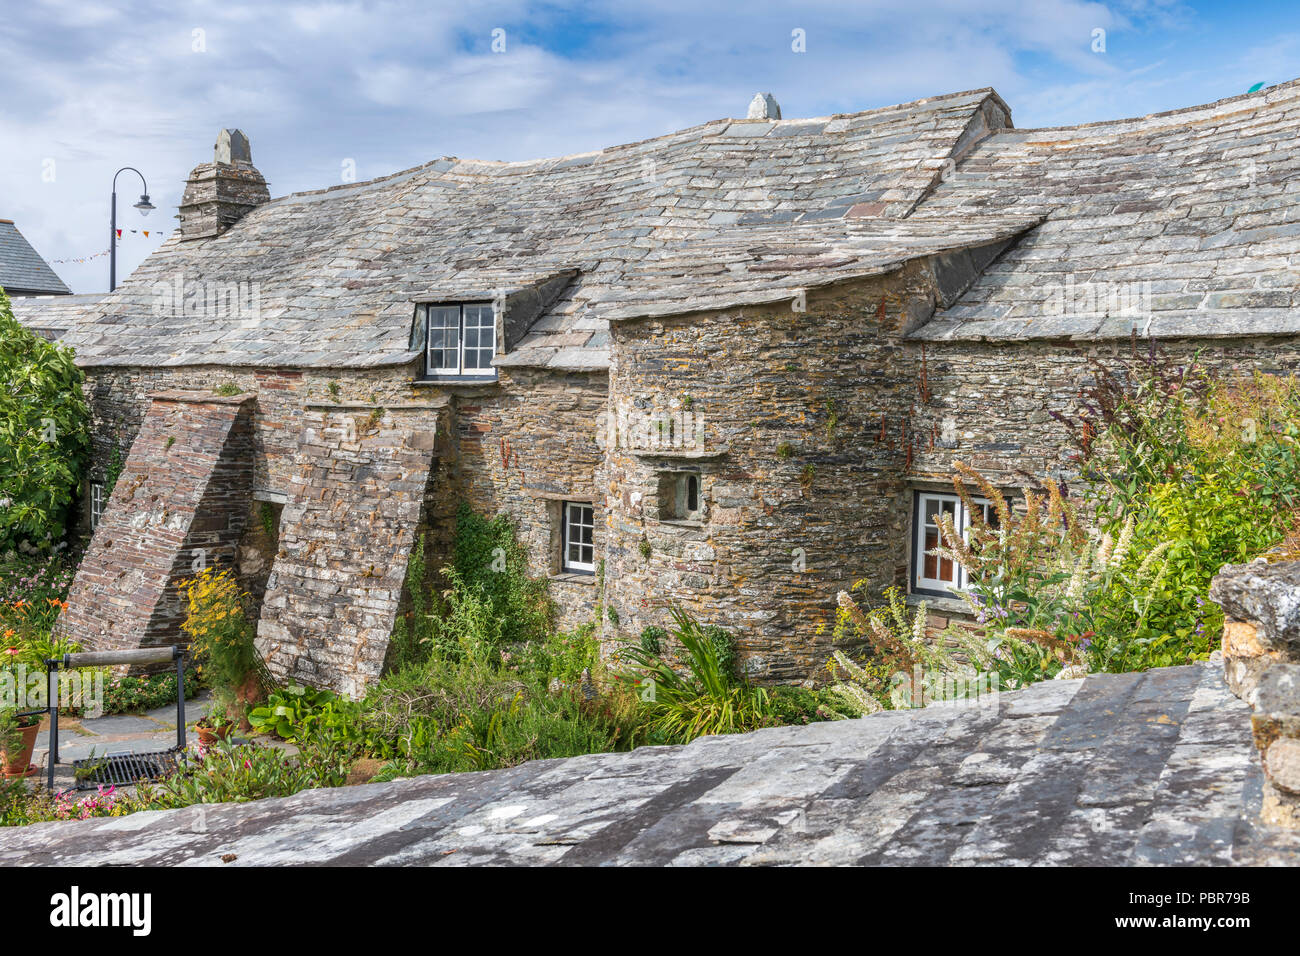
{"type": "Point", "coordinates": [729, 367]}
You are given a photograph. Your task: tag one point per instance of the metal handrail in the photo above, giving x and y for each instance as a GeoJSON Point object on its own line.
{"type": "Point", "coordinates": [145, 655]}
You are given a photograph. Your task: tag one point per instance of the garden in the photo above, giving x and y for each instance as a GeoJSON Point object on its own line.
{"type": "Point", "coordinates": [1181, 473]}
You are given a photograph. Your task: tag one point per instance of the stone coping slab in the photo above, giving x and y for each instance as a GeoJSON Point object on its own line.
{"type": "Point", "coordinates": [1148, 769]}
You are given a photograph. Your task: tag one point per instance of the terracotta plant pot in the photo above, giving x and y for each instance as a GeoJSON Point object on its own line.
{"type": "Point", "coordinates": [247, 695]}
{"type": "Point", "coordinates": [209, 735]}
{"type": "Point", "coordinates": [20, 764]}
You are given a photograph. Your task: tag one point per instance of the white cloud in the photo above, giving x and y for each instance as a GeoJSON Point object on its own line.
{"type": "Point", "coordinates": [392, 84]}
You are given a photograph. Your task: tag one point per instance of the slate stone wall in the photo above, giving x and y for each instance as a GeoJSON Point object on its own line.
{"type": "Point", "coordinates": [519, 447]}
{"type": "Point", "coordinates": [358, 487]}
{"type": "Point", "coordinates": [522, 447]}
{"type": "Point", "coordinates": [990, 404]}
{"type": "Point", "coordinates": [802, 464]}
{"type": "Point", "coordinates": [180, 504]}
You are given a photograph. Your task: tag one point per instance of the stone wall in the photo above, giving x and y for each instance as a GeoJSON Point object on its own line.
{"type": "Point", "coordinates": [1261, 662]}
{"type": "Point", "coordinates": [179, 505]}
{"type": "Point", "coordinates": [522, 447]}
{"type": "Point", "coordinates": [359, 485]}
{"type": "Point", "coordinates": [800, 418]}
{"type": "Point", "coordinates": [989, 404]}
{"type": "Point", "coordinates": [518, 446]}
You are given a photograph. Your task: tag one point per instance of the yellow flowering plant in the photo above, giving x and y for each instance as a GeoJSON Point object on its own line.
{"type": "Point", "coordinates": [221, 639]}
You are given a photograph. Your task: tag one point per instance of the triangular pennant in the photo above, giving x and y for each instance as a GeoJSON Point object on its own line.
{"type": "Point", "coordinates": [119, 234]}
{"type": "Point", "coordinates": [146, 233]}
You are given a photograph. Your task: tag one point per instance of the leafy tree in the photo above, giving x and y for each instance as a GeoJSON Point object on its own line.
{"type": "Point", "coordinates": [44, 434]}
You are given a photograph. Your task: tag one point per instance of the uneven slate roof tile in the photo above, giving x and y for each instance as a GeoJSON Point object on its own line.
{"type": "Point", "coordinates": [1181, 223]}
{"type": "Point", "coordinates": [1184, 223]}
{"type": "Point", "coordinates": [334, 274]}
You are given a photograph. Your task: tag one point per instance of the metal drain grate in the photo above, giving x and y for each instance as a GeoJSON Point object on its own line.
{"type": "Point", "coordinates": [122, 770]}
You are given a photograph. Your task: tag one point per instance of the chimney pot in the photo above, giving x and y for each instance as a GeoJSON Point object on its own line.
{"type": "Point", "coordinates": [232, 147]}
{"type": "Point", "coordinates": [764, 106]}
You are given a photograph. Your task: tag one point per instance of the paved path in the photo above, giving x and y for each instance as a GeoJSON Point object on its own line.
{"type": "Point", "coordinates": [151, 730]}
{"type": "Point", "coordinates": [1152, 768]}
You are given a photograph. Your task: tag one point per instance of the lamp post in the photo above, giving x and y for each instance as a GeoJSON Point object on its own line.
{"type": "Point", "coordinates": [145, 207]}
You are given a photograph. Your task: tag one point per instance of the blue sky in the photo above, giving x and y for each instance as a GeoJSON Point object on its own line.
{"type": "Point", "coordinates": [91, 87]}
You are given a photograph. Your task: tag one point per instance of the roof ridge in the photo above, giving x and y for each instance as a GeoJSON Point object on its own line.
{"type": "Point", "coordinates": [1262, 94]}
{"type": "Point", "coordinates": [607, 150]}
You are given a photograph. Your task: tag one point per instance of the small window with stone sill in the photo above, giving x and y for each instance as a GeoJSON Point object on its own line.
{"type": "Point", "coordinates": [578, 537]}
{"type": "Point", "coordinates": [933, 573]}
{"type": "Point", "coordinates": [681, 496]}
{"type": "Point", "coordinates": [460, 341]}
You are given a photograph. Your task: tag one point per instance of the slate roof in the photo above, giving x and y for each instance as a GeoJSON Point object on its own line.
{"type": "Point", "coordinates": [1198, 203]}
{"type": "Point", "coordinates": [1203, 204]}
{"type": "Point", "coordinates": [22, 270]}
{"type": "Point", "coordinates": [673, 219]}
{"type": "Point", "coordinates": [1154, 768]}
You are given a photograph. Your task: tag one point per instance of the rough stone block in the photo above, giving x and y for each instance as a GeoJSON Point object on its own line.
{"type": "Point", "coordinates": [1261, 603]}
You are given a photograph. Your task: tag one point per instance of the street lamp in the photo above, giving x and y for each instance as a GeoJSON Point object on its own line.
{"type": "Point", "coordinates": [145, 207]}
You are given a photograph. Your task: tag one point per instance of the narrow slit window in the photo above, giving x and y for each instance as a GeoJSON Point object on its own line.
{"type": "Point", "coordinates": [96, 504]}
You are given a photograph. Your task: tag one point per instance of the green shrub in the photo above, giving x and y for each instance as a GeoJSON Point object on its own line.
{"type": "Point", "coordinates": [651, 640]}
{"type": "Point", "coordinates": [221, 640]}
{"type": "Point", "coordinates": [478, 709]}
{"type": "Point", "coordinates": [704, 698]}
{"type": "Point", "coordinates": [805, 705]}
{"type": "Point", "coordinates": [129, 695]}
{"type": "Point", "coordinates": [237, 773]}
{"type": "Point", "coordinates": [489, 561]}
{"type": "Point", "coordinates": [44, 435]}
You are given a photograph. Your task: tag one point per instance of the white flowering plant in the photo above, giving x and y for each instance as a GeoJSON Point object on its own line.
{"type": "Point", "coordinates": [1049, 588]}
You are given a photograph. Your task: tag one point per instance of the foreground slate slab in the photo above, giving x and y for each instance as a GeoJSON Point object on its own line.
{"type": "Point", "coordinates": [1127, 769]}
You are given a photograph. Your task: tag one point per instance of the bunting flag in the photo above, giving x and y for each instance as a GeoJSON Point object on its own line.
{"type": "Point", "coordinates": [99, 255]}
{"type": "Point", "coordinates": [79, 258]}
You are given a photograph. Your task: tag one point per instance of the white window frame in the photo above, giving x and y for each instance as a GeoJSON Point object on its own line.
{"type": "Point", "coordinates": [464, 312]}
{"type": "Point", "coordinates": [961, 519]}
{"type": "Point", "coordinates": [96, 504]}
{"type": "Point", "coordinates": [568, 541]}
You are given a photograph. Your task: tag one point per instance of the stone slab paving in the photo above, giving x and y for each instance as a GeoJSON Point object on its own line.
{"type": "Point", "coordinates": [1142, 769]}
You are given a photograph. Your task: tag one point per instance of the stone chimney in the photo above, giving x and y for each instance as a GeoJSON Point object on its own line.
{"type": "Point", "coordinates": [764, 106]}
{"type": "Point", "coordinates": [219, 193]}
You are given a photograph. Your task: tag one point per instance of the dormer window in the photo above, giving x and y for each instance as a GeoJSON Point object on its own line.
{"type": "Point", "coordinates": [460, 340]}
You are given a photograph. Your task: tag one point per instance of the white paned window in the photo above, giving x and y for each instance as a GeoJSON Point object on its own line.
{"type": "Point", "coordinates": [461, 340]}
{"type": "Point", "coordinates": [579, 537]}
{"type": "Point", "coordinates": [96, 504]}
{"type": "Point", "coordinates": [934, 573]}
